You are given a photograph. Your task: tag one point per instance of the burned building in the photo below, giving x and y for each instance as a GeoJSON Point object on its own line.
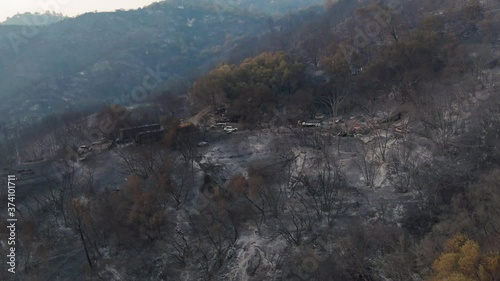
{"type": "Point", "coordinates": [149, 136]}
{"type": "Point", "coordinates": [139, 134]}
{"type": "Point", "coordinates": [310, 123]}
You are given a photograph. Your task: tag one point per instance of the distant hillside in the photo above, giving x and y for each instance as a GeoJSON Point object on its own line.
{"type": "Point", "coordinates": [279, 7]}
{"type": "Point", "coordinates": [99, 57]}
{"type": "Point", "coordinates": [30, 19]}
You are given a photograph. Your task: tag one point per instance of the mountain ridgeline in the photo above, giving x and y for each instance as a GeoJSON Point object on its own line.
{"type": "Point", "coordinates": [97, 57]}
{"type": "Point", "coordinates": [30, 19]}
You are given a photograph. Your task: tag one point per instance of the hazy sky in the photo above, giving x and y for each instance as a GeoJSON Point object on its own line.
{"type": "Point", "coordinates": [67, 7]}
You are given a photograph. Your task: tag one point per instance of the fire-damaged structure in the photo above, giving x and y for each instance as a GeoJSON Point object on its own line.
{"type": "Point", "coordinates": [142, 134]}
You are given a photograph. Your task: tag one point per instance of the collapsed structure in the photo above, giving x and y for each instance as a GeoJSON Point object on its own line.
{"type": "Point", "coordinates": [142, 134]}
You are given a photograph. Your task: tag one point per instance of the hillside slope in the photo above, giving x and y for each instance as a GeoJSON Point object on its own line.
{"type": "Point", "coordinates": [97, 57]}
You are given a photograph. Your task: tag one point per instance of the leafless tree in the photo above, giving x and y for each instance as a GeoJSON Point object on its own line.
{"type": "Point", "coordinates": [216, 234]}
{"type": "Point", "coordinates": [368, 164]}
{"type": "Point", "coordinates": [170, 104]}
{"type": "Point", "coordinates": [334, 99]}
{"type": "Point", "coordinates": [180, 245]}
{"type": "Point", "coordinates": [403, 165]}
{"type": "Point", "coordinates": [314, 46]}
{"type": "Point", "coordinates": [380, 128]}
{"type": "Point", "coordinates": [187, 143]}
{"type": "Point", "coordinates": [68, 177]}
{"type": "Point", "coordinates": [145, 161]}
{"type": "Point", "coordinates": [179, 180]}
{"type": "Point", "coordinates": [443, 119]}
{"type": "Point", "coordinates": [82, 220]}
{"type": "Point", "coordinates": [293, 225]}
{"type": "Point", "coordinates": [325, 190]}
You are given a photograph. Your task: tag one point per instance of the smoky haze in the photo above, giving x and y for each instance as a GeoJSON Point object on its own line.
{"type": "Point", "coordinates": [67, 7]}
{"type": "Point", "coordinates": [73, 7]}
